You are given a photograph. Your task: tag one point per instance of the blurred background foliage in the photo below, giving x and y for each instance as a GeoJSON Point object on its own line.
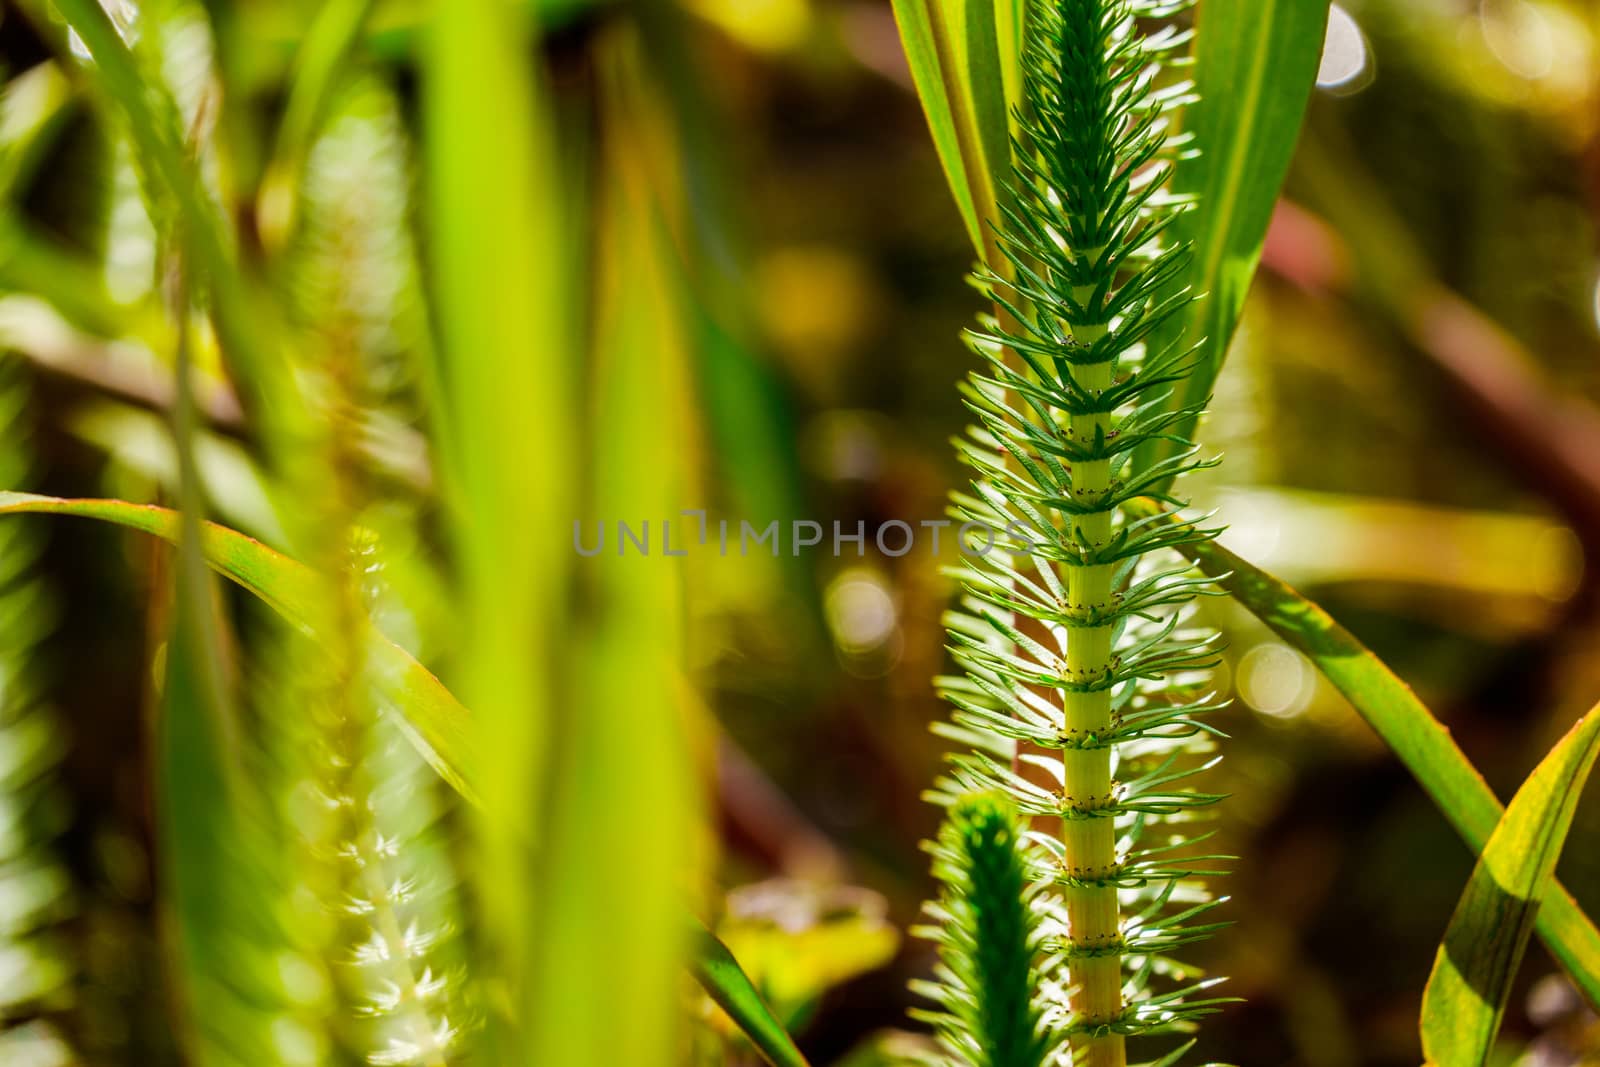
{"type": "Point", "coordinates": [1410, 416]}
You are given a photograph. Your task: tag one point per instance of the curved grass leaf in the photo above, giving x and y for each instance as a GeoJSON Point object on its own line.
{"type": "Point", "coordinates": [434, 720]}
{"type": "Point", "coordinates": [1393, 711]}
{"type": "Point", "coordinates": [1476, 963]}
{"type": "Point", "coordinates": [954, 48]}
{"type": "Point", "coordinates": [720, 974]}
{"type": "Point", "coordinates": [1255, 61]}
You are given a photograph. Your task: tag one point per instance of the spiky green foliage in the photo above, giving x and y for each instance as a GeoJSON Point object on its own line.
{"type": "Point", "coordinates": [33, 885]}
{"type": "Point", "coordinates": [989, 936]}
{"type": "Point", "coordinates": [1081, 694]}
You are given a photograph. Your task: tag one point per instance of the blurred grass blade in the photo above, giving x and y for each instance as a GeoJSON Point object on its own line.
{"type": "Point", "coordinates": [954, 50]}
{"type": "Point", "coordinates": [245, 326]}
{"type": "Point", "coordinates": [197, 802]}
{"type": "Point", "coordinates": [205, 842]}
{"type": "Point", "coordinates": [1421, 742]}
{"type": "Point", "coordinates": [623, 751]}
{"type": "Point", "coordinates": [1477, 961]}
{"type": "Point", "coordinates": [1255, 63]}
{"type": "Point", "coordinates": [433, 718]}
{"type": "Point", "coordinates": [502, 274]}
{"type": "Point", "coordinates": [334, 34]}
{"type": "Point", "coordinates": [436, 722]}
{"type": "Point", "coordinates": [748, 411]}
{"type": "Point", "coordinates": [725, 981]}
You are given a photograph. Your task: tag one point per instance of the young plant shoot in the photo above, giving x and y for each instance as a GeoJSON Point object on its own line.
{"type": "Point", "coordinates": [1081, 693]}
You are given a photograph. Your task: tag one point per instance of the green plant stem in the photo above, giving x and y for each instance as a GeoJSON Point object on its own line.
{"type": "Point", "coordinates": [1089, 832]}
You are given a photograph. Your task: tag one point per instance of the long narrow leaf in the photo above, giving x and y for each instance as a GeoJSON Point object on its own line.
{"type": "Point", "coordinates": [435, 720]}
{"type": "Point", "coordinates": [318, 68]}
{"type": "Point", "coordinates": [503, 281]}
{"type": "Point", "coordinates": [955, 48]}
{"type": "Point", "coordinates": [1472, 974]}
{"type": "Point", "coordinates": [720, 974]}
{"type": "Point", "coordinates": [621, 753]}
{"type": "Point", "coordinates": [1406, 725]}
{"type": "Point", "coordinates": [1255, 61]}
{"type": "Point", "coordinates": [204, 839]}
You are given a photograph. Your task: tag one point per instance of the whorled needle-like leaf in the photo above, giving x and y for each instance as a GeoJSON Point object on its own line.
{"type": "Point", "coordinates": [1477, 962]}
{"type": "Point", "coordinates": [1082, 694]}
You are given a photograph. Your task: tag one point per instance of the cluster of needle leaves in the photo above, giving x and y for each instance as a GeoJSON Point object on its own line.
{"type": "Point", "coordinates": [1071, 386]}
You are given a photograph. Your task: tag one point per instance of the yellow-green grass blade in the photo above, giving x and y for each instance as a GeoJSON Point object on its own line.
{"type": "Point", "coordinates": [504, 284]}
{"type": "Point", "coordinates": [1477, 961]}
{"type": "Point", "coordinates": [955, 49]}
{"type": "Point", "coordinates": [434, 719]}
{"type": "Point", "coordinates": [1406, 725]}
{"type": "Point", "coordinates": [621, 765]}
{"type": "Point", "coordinates": [1255, 62]}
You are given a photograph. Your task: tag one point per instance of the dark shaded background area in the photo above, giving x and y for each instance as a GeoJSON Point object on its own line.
{"type": "Point", "coordinates": [1411, 426]}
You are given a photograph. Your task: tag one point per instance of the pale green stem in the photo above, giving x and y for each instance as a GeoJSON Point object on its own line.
{"type": "Point", "coordinates": [1089, 833]}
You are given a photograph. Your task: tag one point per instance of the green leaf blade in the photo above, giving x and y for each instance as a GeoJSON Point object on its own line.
{"type": "Point", "coordinates": [955, 50]}
{"type": "Point", "coordinates": [1406, 725]}
{"type": "Point", "coordinates": [434, 720]}
{"type": "Point", "coordinates": [726, 983]}
{"type": "Point", "coordinates": [1477, 961]}
{"type": "Point", "coordinates": [915, 20]}
{"type": "Point", "coordinates": [1255, 63]}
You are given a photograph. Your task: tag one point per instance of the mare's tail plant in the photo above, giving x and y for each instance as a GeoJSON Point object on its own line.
{"type": "Point", "coordinates": [991, 1012]}
{"type": "Point", "coordinates": [1081, 695]}
{"type": "Point", "coordinates": [372, 867]}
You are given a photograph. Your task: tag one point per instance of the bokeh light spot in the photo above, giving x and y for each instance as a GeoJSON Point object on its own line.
{"type": "Point", "coordinates": [1520, 36]}
{"type": "Point", "coordinates": [1276, 681]}
{"type": "Point", "coordinates": [1345, 59]}
{"type": "Point", "coordinates": [861, 611]}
